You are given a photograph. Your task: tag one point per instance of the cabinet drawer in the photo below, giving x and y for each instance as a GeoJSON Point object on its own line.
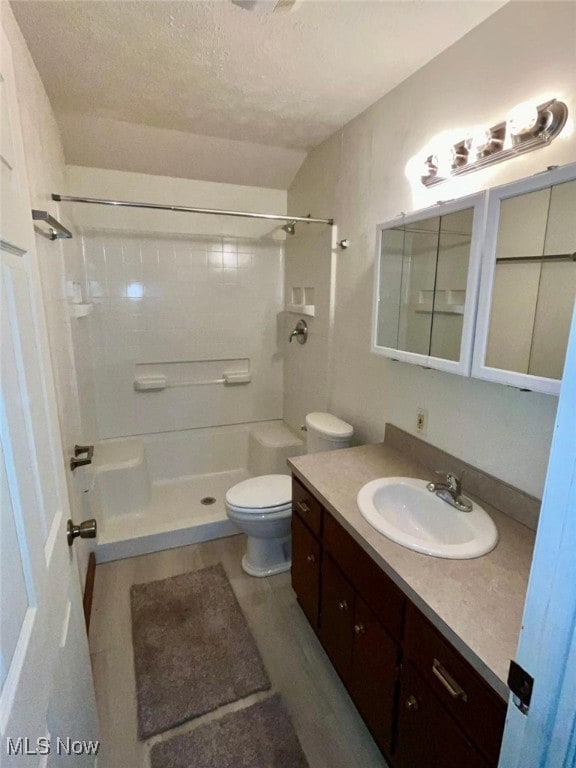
{"type": "Point", "coordinates": [306, 569]}
{"type": "Point", "coordinates": [306, 506]}
{"type": "Point", "coordinates": [468, 698]}
{"type": "Point", "coordinates": [427, 736]}
{"type": "Point", "coordinates": [379, 592]}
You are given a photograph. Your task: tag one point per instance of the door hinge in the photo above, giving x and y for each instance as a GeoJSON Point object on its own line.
{"type": "Point", "coordinates": [521, 684]}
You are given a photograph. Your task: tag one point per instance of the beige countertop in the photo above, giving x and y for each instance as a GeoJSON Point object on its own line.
{"type": "Point", "coordinates": [476, 604]}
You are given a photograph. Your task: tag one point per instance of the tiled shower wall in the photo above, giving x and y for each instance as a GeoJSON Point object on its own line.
{"type": "Point", "coordinates": [161, 301]}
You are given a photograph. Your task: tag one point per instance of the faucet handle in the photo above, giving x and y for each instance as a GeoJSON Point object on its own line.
{"type": "Point", "coordinates": [452, 480]}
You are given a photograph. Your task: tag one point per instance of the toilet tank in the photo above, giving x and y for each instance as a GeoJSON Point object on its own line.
{"type": "Point", "coordinates": [325, 432]}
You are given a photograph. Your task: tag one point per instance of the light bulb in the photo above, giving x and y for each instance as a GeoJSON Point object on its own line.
{"type": "Point", "coordinates": [480, 141]}
{"type": "Point", "coordinates": [523, 119]}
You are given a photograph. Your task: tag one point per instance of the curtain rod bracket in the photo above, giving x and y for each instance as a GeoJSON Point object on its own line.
{"type": "Point", "coordinates": [57, 231]}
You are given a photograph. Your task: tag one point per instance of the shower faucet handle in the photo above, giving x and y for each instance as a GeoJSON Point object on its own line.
{"type": "Point", "coordinates": [300, 332]}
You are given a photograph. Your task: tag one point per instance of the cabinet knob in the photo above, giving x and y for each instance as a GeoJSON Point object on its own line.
{"type": "Point", "coordinates": [303, 507]}
{"type": "Point", "coordinates": [412, 704]}
{"type": "Point", "coordinates": [359, 629]}
{"type": "Point", "coordinates": [343, 605]}
{"type": "Point", "coordinates": [311, 558]}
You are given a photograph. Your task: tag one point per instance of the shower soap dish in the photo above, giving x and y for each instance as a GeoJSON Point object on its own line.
{"type": "Point", "coordinates": [240, 377]}
{"type": "Point", "coordinates": [150, 382]}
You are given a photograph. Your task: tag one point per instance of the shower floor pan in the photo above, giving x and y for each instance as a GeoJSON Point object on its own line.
{"type": "Point", "coordinates": [174, 516]}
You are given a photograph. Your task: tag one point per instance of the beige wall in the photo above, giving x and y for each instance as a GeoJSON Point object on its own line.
{"type": "Point", "coordinates": [59, 261]}
{"type": "Point", "coordinates": [359, 177]}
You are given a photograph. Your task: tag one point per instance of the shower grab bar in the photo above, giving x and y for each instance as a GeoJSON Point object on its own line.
{"type": "Point", "coordinates": [57, 231]}
{"type": "Point", "coordinates": [189, 209]}
{"type": "Point", "coordinates": [155, 385]}
{"type": "Point", "coordinates": [170, 385]}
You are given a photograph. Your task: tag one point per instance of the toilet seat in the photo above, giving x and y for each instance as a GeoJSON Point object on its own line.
{"type": "Point", "coordinates": [262, 495]}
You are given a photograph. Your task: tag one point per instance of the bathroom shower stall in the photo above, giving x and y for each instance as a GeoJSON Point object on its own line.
{"type": "Point", "coordinates": [186, 334]}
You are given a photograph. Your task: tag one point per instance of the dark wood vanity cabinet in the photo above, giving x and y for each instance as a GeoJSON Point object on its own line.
{"type": "Point", "coordinates": [422, 701]}
{"type": "Point", "coordinates": [326, 573]}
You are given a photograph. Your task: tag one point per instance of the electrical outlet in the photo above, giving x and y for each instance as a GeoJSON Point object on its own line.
{"type": "Point", "coordinates": [421, 421]}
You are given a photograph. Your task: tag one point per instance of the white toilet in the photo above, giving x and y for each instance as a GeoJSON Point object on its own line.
{"type": "Point", "coordinates": [262, 506]}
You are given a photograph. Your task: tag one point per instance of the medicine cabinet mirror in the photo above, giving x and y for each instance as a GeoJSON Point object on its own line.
{"type": "Point", "coordinates": [426, 285]}
{"type": "Point", "coordinates": [528, 282]}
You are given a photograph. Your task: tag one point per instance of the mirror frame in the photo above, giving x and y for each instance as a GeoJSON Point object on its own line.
{"type": "Point", "coordinates": [496, 195]}
{"type": "Point", "coordinates": [463, 365]}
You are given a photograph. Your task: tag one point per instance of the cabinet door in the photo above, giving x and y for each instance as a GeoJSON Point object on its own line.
{"type": "Point", "coordinates": [426, 285]}
{"type": "Point", "coordinates": [305, 569]}
{"type": "Point", "coordinates": [374, 673]}
{"type": "Point", "coordinates": [528, 282]}
{"type": "Point", "coordinates": [336, 617]}
{"type": "Point", "coordinates": [427, 735]}
{"type": "Point", "coordinates": [368, 579]}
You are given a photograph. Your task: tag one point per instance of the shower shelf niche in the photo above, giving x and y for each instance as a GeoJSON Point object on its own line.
{"type": "Point", "coordinates": [302, 309]}
{"type": "Point", "coordinates": [302, 302]}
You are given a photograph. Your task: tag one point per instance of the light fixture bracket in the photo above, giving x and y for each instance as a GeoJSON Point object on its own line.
{"type": "Point", "coordinates": [501, 142]}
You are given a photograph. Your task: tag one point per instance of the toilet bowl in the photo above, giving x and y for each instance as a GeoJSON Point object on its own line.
{"type": "Point", "coordinates": [261, 506]}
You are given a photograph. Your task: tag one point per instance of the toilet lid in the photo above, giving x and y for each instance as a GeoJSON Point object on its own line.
{"type": "Point", "coordinates": [329, 426]}
{"type": "Point", "coordinates": [261, 492]}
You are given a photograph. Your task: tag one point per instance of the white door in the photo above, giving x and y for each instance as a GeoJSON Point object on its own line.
{"type": "Point", "coordinates": [545, 737]}
{"type": "Point", "coordinates": [47, 705]}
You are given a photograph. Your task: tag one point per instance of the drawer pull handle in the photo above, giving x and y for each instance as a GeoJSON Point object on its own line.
{"type": "Point", "coordinates": [303, 507]}
{"type": "Point", "coordinates": [359, 629]}
{"type": "Point", "coordinates": [311, 559]}
{"type": "Point", "coordinates": [448, 681]}
{"type": "Point", "coordinates": [412, 704]}
{"type": "Point", "coordinates": [343, 605]}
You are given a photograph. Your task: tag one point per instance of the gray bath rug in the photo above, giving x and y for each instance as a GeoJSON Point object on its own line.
{"type": "Point", "coordinates": [193, 650]}
{"type": "Point", "coordinates": [261, 736]}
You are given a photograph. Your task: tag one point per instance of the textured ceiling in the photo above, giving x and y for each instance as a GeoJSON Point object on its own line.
{"type": "Point", "coordinates": [286, 79]}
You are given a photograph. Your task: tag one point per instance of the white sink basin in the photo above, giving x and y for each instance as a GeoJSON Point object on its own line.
{"type": "Point", "coordinates": [406, 512]}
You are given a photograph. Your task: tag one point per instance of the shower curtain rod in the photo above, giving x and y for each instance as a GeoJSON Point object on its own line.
{"type": "Point", "coordinates": [186, 209]}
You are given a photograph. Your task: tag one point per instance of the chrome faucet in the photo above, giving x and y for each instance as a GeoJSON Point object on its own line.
{"type": "Point", "coordinates": [450, 491]}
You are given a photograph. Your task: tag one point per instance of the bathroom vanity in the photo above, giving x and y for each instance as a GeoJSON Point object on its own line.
{"type": "Point", "coordinates": [422, 644]}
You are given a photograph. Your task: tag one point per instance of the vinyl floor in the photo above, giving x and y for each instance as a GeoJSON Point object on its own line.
{"type": "Point", "coordinates": [330, 730]}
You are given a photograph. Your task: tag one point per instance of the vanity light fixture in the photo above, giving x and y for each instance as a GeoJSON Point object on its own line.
{"type": "Point", "coordinates": [527, 127]}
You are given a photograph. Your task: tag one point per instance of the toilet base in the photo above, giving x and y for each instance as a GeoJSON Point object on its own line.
{"type": "Point", "coordinates": [266, 557]}
{"type": "Point", "coordinates": [261, 572]}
